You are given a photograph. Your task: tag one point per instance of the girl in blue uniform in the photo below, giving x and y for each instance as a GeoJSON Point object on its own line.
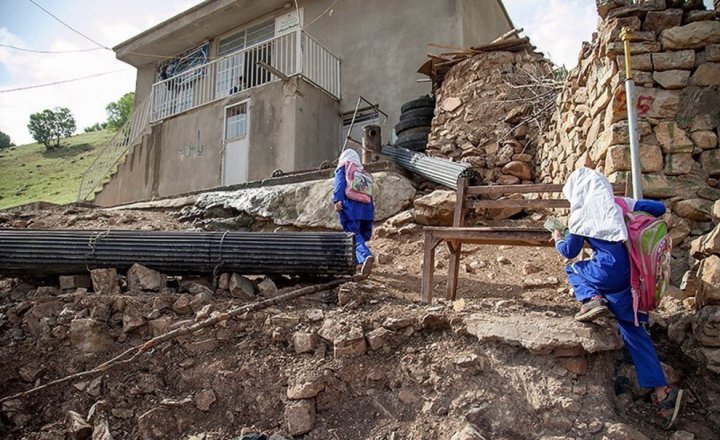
{"type": "Point", "coordinates": [602, 283]}
{"type": "Point", "coordinates": [355, 217]}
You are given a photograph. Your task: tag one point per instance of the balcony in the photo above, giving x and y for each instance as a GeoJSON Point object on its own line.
{"type": "Point", "coordinates": [294, 53]}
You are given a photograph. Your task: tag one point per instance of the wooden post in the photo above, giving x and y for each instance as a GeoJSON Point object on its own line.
{"type": "Point", "coordinates": [428, 268]}
{"type": "Point", "coordinates": [371, 142]}
{"type": "Point", "coordinates": [456, 246]}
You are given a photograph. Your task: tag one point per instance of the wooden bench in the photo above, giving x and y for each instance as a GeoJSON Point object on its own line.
{"type": "Point", "coordinates": [455, 236]}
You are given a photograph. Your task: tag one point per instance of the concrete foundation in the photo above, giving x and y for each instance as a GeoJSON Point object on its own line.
{"type": "Point", "coordinates": [292, 125]}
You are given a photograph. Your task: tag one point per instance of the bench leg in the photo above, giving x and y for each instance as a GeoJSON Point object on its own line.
{"type": "Point", "coordinates": [428, 268]}
{"type": "Point", "coordinates": [453, 270]}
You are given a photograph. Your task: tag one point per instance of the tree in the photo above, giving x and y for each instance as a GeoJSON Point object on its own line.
{"type": "Point", "coordinates": [120, 110]}
{"type": "Point", "coordinates": [49, 126]}
{"type": "Point", "coordinates": [96, 127]}
{"type": "Point", "coordinates": [5, 141]}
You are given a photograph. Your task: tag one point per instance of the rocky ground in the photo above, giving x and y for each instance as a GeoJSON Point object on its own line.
{"type": "Point", "coordinates": [366, 361]}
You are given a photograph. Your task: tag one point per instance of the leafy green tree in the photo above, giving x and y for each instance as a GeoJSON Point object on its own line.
{"type": "Point", "coordinates": [5, 141]}
{"type": "Point", "coordinates": [49, 126]}
{"type": "Point", "coordinates": [120, 110]}
{"type": "Point", "coordinates": [96, 127]}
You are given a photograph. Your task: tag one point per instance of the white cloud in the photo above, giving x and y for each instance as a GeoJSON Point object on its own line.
{"type": "Point", "coordinates": [86, 98]}
{"type": "Point", "coordinates": [556, 27]}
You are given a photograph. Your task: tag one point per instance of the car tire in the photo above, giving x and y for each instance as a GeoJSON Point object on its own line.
{"type": "Point", "coordinates": [423, 101]}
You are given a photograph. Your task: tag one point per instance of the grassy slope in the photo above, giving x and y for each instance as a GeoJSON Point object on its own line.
{"type": "Point", "coordinates": [29, 174]}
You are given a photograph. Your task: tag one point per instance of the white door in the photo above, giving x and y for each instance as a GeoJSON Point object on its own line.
{"type": "Point", "coordinates": [235, 168]}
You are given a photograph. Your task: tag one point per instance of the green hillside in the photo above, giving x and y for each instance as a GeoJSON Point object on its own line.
{"type": "Point", "coordinates": [28, 173]}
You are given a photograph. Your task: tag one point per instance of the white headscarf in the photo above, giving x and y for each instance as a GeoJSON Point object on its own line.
{"type": "Point", "coordinates": [349, 155]}
{"type": "Point", "coordinates": [593, 212]}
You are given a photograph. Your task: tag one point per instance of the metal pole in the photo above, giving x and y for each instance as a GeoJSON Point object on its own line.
{"type": "Point", "coordinates": [636, 167]}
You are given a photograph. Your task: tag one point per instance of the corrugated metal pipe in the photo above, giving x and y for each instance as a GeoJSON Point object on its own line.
{"type": "Point", "coordinates": [442, 171]}
{"type": "Point", "coordinates": [46, 252]}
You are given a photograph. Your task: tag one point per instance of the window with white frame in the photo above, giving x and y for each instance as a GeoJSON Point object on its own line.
{"type": "Point", "coordinates": [240, 72]}
{"type": "Point", "coordinates": [236, 122]}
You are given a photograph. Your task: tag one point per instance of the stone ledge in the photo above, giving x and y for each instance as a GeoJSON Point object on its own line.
{"type": "Point", "coordinates": [543, 335]}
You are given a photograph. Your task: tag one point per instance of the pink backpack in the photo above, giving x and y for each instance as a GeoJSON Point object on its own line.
{"type": "Point", "coordinates": [649, 246]}
{"type": "Point", "coordinates": [359, 184]}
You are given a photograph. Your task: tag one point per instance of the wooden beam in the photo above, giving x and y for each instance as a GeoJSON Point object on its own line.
{"type": "Point", "coordinates": [618, 188]}
{"type": "Point", "coordinates": [428, 267]}
{"type": "Point", "coordinates": [519, 203]}
{"type": "Point", "coordinates": [456, 247]}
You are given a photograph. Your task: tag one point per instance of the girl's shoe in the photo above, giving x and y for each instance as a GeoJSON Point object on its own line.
{"type": "Point", "coordinates": [367, 266]}
{"type": "Point", "coordinates": [592, 310]}
{"type": "Point", "coordinates": [669, 408]}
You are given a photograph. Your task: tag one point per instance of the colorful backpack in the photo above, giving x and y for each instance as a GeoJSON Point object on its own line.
{"type": "Point", "coordinates": [649, 246]}
{"type": "Point", "coordinates": [359, 184]}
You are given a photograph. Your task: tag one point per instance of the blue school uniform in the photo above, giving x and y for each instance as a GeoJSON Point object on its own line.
{"type": "Point", "coordinates": [356, 217]}
{"type": "Point", "coordinates": [607, 273]}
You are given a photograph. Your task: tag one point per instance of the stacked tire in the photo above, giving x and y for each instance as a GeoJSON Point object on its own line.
{"type": "Point", "coordinates": [414, 127]}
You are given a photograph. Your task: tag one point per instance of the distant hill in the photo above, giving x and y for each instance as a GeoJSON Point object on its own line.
{"type": "Point", "coordinates": [30, 174]}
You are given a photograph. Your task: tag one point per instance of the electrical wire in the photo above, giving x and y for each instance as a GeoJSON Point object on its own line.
{"type": "Point", "coordinates": [68, 26]}
{"type": "Point", "coordinates": [35, 86]}
{"type": "Point", "coordinates": [328, 9]}
{"type": "Point", "coordinates": [24, 49]}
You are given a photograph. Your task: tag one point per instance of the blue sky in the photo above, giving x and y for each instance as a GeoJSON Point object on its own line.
{"type": "Point", "coordinates": [556, 27]}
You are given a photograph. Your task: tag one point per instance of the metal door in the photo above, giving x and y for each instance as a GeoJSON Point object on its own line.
{"type": "Point", "coordinates": [235, 166]}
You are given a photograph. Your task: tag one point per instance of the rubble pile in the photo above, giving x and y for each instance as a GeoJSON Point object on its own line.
{"type": "Point", "coordinates": [362, 361]}
{"type": "Point", "coordinates": [490, 109]}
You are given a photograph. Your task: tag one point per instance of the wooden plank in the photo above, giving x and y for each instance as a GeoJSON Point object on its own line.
{"type": "Point", "coordinates": [428, 267]}
{"type": "Point", "coordinates": [618, 188]}
{"type": "Point", "coordinates": [459, 217]}
{"type": "Point", "coordinates": [517, 238]}
{"type": "Point", "coordinates": [508, 34]}
{"type": "Point", "coordinates": [515, 189]}
{"type": "Point", "coordinates": [455, 249]}
{"type": "Point", "coordinates": [453, 270]}
{"type": "Point", "coordinates": [440, 231]}
{"type": "Point", "coordinates": [518, 203]}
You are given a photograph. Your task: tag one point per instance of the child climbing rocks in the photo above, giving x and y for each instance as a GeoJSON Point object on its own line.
{"type": "Point", "coordinates": [355, 216]}
{"type": "Point", "coordinates": [602, 283]}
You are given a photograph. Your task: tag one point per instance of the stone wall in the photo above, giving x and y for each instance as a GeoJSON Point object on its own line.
{"type": "Point", "coordinates": [490, 109]}
{"type": "Point", "coordinates": [675, 50]}
{"type": "Point", "coordinates": [676, 68]}
{"type": "Point", "coordinates": [676, 62]}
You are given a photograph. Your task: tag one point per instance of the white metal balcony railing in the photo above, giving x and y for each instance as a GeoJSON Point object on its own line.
{"type": "Point", "coordinates": [106, 161]}
{"type": "Point", "coordinates": [294, 53]}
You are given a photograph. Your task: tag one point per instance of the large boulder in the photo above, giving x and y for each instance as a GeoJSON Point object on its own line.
{"type": "Point", "coordinates": [436, 208]}
{"type": "Point", "coordinates": [542, 334]}
{"type": "Point", "coordinates": [141, 278]}
{"type": "Point", "coordinates": [691, 36]}
{"type": "Point", "coordinates": [694, 209]}
{"type": "Point", "coordinates": [89, 336]}
{"type": "Point", "coordinates": [309, 204]}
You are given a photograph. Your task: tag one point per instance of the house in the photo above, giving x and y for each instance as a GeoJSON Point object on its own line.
{"type": "Point", "coordinates": [231, 90]}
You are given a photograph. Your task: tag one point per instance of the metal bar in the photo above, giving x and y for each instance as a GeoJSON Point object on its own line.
{"type": "Point", "coordinates": [442, 171]}
{"type": "Point", "coordinates": [635, 166]}
{"type": "Point", "coordinates": [46, 252]}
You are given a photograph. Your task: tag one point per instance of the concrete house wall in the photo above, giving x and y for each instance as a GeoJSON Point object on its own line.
{"type": "Point", "coordinates": [293, 124]}
{"type": "Point", "coordinates": [186, 152]}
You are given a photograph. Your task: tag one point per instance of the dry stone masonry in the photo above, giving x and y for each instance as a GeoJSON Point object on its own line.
{"type": "Point", "coordinates": [490, 109]}
{"type": "Point", "coordinates": [675, 49]}
{"type": "Point", "coordinates": [676, 67]}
